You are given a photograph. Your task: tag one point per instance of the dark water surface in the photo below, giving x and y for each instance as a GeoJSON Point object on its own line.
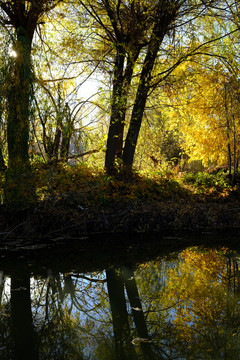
{"type": "Point", "coordinates": [122, 297]}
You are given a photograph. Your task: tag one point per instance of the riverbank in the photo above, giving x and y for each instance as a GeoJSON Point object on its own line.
{"type": "Point", "coordinates": [54, 220]}
{"type": "Point", "coordinates": [77, 202]}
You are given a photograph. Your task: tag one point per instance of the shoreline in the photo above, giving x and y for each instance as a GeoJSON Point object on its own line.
{"type": "Point", "coordinates": [53, 220]}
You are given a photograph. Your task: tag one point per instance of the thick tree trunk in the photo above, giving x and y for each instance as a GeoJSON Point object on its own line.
{"type": "Point", "coordinates": [19, 189]}
{"type": "Point", "coordinates": [115, 120]}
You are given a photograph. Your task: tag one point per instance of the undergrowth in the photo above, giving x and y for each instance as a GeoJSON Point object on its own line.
{"type": "Point", "coordinates": [94, 186]}
{"type": "Point", "coordinates": [216, 184]}
{"type": "Point", "coordinates": [68, 184]}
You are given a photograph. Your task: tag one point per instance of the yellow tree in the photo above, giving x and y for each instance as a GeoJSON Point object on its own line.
{"type": "Point", "coordinates": [205, 110]}
{"type": "Point", "coordinates": [138, 34]}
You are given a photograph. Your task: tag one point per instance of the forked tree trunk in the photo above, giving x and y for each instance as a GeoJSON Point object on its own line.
{"type": "Point", "coordinates": [157, 36]}
{"type": "Point", "coordinates": [121, 84]}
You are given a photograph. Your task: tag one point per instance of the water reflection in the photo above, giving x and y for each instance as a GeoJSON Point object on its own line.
{"type": "Point", "coordinates": [181, 306]}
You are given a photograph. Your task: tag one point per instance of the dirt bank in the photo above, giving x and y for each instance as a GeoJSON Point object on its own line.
{"type": "Point", "coordinates": [59, 218]}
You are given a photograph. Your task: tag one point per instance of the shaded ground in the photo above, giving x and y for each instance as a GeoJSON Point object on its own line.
{"type": "Point", "coordinates": [62, 220]}
{"type": "Point", "coordinates": [74, 202]}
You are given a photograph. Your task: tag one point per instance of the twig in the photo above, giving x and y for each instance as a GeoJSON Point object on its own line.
{"type": "Point", "coordinates": [14, 229]}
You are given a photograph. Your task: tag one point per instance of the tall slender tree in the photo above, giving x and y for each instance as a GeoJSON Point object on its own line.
{"type": "Point", "coordinates": [166, 13]}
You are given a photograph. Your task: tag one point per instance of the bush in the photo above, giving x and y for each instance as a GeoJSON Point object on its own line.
{"type": "Point", "coordinates": [205, 182]}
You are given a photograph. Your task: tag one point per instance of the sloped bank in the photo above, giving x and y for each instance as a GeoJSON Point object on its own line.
{"type": "Point", "coordinates": [57, 219]}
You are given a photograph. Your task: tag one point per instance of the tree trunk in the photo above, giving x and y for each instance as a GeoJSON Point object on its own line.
{"type": "Point", "coordinates": [19, 189]}
{"type": "Point", "coordinates": [121, 83]}
{"type": "Point", "coordinates": [140, 102]}
{"type": "Point", "coordinates": [228, 135]}
{"type": "Point", "coordinates": [67, 132]}
{"type": "Point", "coordinates": [2, 162]}
{"type": "Point", "coordinates": [168, 11]}
{"type": "Point", "coordinates": [115, 120]}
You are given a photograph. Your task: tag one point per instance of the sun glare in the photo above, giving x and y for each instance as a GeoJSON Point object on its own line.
{"type": "Point", "coordinates": [13, 53]}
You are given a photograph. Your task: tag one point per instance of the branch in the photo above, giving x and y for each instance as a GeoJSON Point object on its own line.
{"type": "Point", "coordinates": [191, 53]}
{"type": "Point", "coordinates": [88, 278]}
{"type": "Point", "coordinates": [95, 16]}
{"type": "Point", "coordinates": [40, 82]}
{"type": "Point", "coordinates": [7, 11]}
{"type": "Point", "coordinates": [50, 162]}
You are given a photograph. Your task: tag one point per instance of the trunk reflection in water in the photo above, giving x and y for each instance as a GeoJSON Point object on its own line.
{"type": "Point", "coordinates": [21, 315]}
{"type": "Point", "coordinates": [181, 306]}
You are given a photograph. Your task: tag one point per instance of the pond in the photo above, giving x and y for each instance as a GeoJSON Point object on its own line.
{"type": "Point", "coordinates": [103, 298]}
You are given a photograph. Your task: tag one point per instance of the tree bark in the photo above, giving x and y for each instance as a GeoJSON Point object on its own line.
{"type": "Point", "coordinates": [115, 120]}
{"type": "Point", "coordinates": [19, 189]}
{"type": "Point", "coordinates": [141, 98]}
{"type": "Point", "coordinates": [121, 83]}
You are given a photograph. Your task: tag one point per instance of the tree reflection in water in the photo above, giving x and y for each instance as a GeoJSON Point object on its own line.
{"type": "Point", "coordinates": [183, 306]}
{"type": "Point", "coordinates": [124, 343]}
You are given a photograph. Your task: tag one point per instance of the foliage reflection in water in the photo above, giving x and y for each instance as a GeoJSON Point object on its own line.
{"type": "Point", "coordinates": [182, 306]}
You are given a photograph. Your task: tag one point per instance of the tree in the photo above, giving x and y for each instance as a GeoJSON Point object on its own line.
{"type": "Point", "coordinates": [162, 15]}
{"type": "Point", "coordinates": [204, 287]}
{"type": "Point", "coordinates": [203, 102]}
{"type": "Point", "coordinates": [166, 14]}
{"type": "Point", "coordinates": [134, 53]}
{"type": "Point", "coordinates": [23, 17]}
